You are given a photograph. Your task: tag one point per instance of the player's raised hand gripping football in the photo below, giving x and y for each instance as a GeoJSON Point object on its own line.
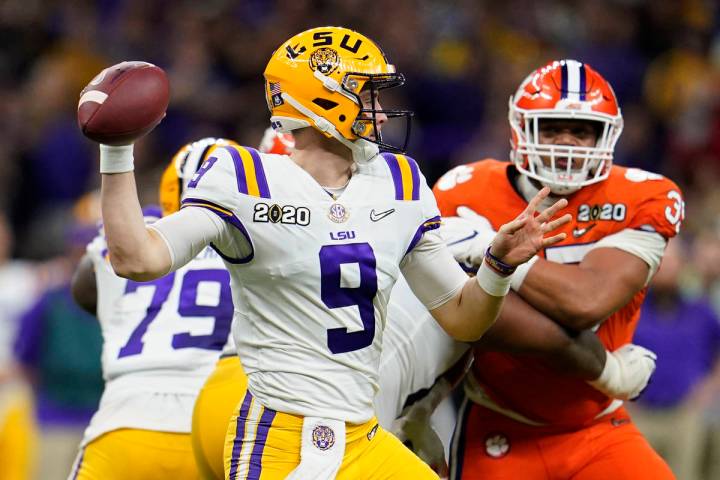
{"type": "Point", "coordinates": [519, 240]}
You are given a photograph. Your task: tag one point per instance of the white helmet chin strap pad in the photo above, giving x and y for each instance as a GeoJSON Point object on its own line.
{"type": "Point", "coordinates": [362, 150]}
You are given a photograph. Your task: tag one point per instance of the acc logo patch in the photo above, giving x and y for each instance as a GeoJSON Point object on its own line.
{"type": "Point", "coordinates": [497, 445]}
{"type": "Point", "coordinates": [325, 60]}
{"type": "Point", "coordinates": [323, 437]}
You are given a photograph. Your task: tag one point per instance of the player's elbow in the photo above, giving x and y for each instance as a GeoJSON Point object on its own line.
{"type": "Point", "coordinates": [463, 336]}
{"type": "Point", "coordinates": [131, 269]}
{"type": "Point", "coordinates": [585, 313]}
{"type": "Point", "coordinates": [463, 329]}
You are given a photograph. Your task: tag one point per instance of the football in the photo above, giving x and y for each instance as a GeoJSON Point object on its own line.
{"type": "Point", "coordinates": [123, 103]}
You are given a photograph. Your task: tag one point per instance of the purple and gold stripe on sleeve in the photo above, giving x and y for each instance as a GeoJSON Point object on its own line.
{"type": "Point", "coordinates": [429, 224]}
{"type": "Point", "coordinates": [230, 218]}
{"type": "Point", "coordinates": [252, 426]}
{"type": "Point", "coordinates": [405, 175]}
{"type": "Point", "coordinates": [251, 179]}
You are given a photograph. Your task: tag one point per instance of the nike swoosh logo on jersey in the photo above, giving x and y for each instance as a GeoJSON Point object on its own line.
{"type": "Point", "coordinates": [380, 215]}
{"type": "Point", "coordinates": [579, 232]}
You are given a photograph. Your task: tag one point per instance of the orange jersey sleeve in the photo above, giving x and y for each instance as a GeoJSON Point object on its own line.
{"type": "Point", "coordinates": [660, 204]}
{"type": "Point", "coordinates": [629, 198]}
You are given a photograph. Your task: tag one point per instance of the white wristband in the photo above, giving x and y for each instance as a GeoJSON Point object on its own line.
{"type": "Point", "coordinates": [609, 381]}
{"type": "Point", "coordinates": [521, 272]}
{"type": "Point", "coordinates": [492, 282]}
{"type": "Point", "coordinates": [116, 159]}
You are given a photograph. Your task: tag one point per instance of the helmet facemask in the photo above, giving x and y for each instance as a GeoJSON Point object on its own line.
{"type": "Point", "coordinates": [365, 125]}
{"type": "Point", "coordinates": [569, 91]}
{"type": "Point", "coordinates": [566, 168]}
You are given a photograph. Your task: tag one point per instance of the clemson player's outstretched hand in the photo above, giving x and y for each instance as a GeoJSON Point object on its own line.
{"type": "Point", "coordinates": [519, 240]}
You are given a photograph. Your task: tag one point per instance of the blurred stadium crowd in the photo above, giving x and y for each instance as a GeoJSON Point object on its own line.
{"type": "Point", "coordinates": [462, 60]}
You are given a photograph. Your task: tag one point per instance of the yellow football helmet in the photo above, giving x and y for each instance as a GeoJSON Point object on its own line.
{"type": "Point", "coordinates": [182, 168]}
{"type": "Point", "coordinates": [315, 79]}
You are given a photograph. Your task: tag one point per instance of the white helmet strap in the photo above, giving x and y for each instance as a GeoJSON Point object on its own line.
{"type": "Point", "coordinates": [362, 150]}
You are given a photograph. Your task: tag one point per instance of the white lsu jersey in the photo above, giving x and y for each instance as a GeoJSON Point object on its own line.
{"type": "Point", "coordinates": [161, 340]}
{"type": "Point", "coordinates": [316, 280]}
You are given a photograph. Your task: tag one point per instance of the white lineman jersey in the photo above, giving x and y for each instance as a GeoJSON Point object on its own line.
{"type": "Point", "coordinates": [161, 340]}
{"type": "Point", "coordinates": [416, 352]}
{"type": "Point", "coordinates": [315, 282]}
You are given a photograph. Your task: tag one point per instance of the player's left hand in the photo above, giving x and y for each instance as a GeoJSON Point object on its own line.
{"type": "Point", "coordinates": [519, 240]}
{"type": "Point", "coordinates": [627, 372]}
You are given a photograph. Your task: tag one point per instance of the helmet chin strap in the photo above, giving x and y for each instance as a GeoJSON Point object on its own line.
{"type": "Point", "coordinates": [363, 151]}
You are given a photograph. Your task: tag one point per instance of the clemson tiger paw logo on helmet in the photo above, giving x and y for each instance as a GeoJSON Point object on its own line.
{"type": "Point", "coordinates": [325, 60]}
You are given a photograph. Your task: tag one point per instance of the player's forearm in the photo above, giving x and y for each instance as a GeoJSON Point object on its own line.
{"type": "Point", "coordinates": [572, 295]}
{"type": "Point", "coordinates": [521, 329]}
{"type": "Point", "coordinates": [563, 292]}
{"type": "Point", "coordinates": [583, 358]}
{"type": "Point", "coordinates": [135, 251]}
{"type": "Point", "coordinates": [470, 313]}
{"type": "Point", "coordinates": [84, 287]}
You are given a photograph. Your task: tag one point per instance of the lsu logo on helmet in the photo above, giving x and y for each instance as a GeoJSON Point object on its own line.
{"type": "Point", "coordinates": [315, 79]}
{"type": "Point", "coordinates": [325, 60]}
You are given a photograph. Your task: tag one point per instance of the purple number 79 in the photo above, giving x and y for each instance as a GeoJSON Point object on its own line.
{"type": "Point", "coordinates": [222, 312]}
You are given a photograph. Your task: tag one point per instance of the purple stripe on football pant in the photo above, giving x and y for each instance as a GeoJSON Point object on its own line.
{"type": "Point", "coordinates": [262, 432]}
{"type": "Point", "coordinates": [239, 434]}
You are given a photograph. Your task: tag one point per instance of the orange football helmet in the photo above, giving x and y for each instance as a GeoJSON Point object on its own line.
{"type": "Point", "coordinates": [276, 142]}
{"type": "Point", "coordinates": [567, 90]}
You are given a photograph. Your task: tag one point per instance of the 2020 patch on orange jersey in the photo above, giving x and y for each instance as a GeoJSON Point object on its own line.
{"type": "Point", "coordinates": [628, 199]}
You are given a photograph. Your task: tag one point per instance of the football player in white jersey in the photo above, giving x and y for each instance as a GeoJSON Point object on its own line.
{"type": "Point", "coordinates": [314, 243]}
{"type": "Point", "coordinates": [161, 340]}
{"type": "Point", "coordinates": [419, 363]}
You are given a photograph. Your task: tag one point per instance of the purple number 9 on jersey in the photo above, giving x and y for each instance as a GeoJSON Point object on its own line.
{"type": "Point", "coordinates": [334, 295]}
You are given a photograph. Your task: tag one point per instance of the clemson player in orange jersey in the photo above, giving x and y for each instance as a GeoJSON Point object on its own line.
{"type": "Point", "coordinates": [521, 419]}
